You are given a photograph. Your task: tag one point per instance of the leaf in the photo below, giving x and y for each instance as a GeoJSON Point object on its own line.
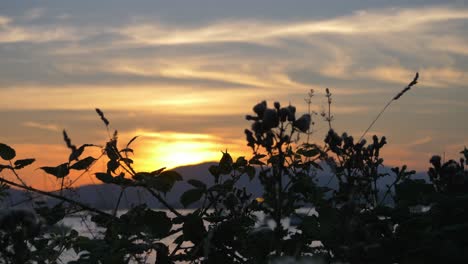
{"type": "Point", "coordinates": [193, 228]}
{"type": "Point", "coordinates": [214, 170]}
{"type": "Point", "coordinates": [19, 164]}
{"type": "Point", "coordinates": [77, 152]}
{"type": "Point", "coordinates": [111, 150]}
{"type": "Point", "coordinates": [60, 171]}
{"type": "Point", "coordinates": [6, 152]}
{"type": "Point", "coordinates": [83, 164]}
{"type": "Point", "coordinates": [104, 177]}
{"type": "Point", "coordinates": [127, 150]}
{"type": "Point", "coordinates": [196, 183]}
{"type": "Point", "coordinates": [179, 240]}
{"type": "Point", "coordinates": [255, 160]}
{"type": "Point", "coordinates": [112, 165]}
{"type": "Point", "coordinates": [157, 172]}
{"type": "Point", "coordinates": [127, 161]}
{"type": "Point", "coordinates": [121, 180]}
{"type": "Point", "coordinates": [131, 140]}
{"type": "Point", "coordinates": [191, 196]}
{"type": "Point", "coordinates": [165, 181]}
{"type": "Point", "coordinates": [308, 152]}
{"type": "Point", "coordinates": [158, 222]}
{"type": "Point", "coordinates": [225, 164]}
{"type": "Point", "coordinates": [241, 161]}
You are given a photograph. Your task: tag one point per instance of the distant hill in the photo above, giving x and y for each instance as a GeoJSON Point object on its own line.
{"type": "Point", "coordinates": [104, 196]}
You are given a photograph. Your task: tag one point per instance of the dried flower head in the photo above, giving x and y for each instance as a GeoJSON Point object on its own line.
{"type": "Point", "coordinates": [260, 108]}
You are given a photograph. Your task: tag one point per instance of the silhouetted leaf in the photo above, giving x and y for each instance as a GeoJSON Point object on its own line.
{"type": "Point", "coordinates": [59, 171]}
{"type": "Point", "coordinates": [19, 164]}
{"type": "Point", "coordinates": [83, 164]}
{"type": "Point", "coordinates": [112, 165]}
{"type": "Point", "coordinates": [76, 153]}
{"type": "Point", "coordinates": [6, 152]}
{"type": "Point", "coordinates": [158, 222]}
{"type": "Point", "coordinates": [111, 150]}
{"type": "Point", "coordinates": [193, 228]}
{"type": "Point", "coordinates": [157, 172]}
{"type": "Point", "coordinates": [104, 177]}
{"type": "Point", "coordinates": [191, 196]}
{"type": "Point", "coordinates": [179, 240]}
{"type": "Point", "coordinates": [308, 152]}
{"type": "Point", "coordinates": [121, 180]}
{"type": "Point", "coordinates": [127, 161]}
{"type": "Point", "coordinates": [131, 140]}
{"type": "Point", "coordinates": [127, 150]}
{"type": "Point", "coordinates": [165, 181]}
{"type": "Point", "coordinates": [196, 183]}
{"type": "Point", "coordinates": [225, 164]}
{"type": "Point", "coordinates": [255, 160]}
{"type": "Point", "coordinates": [241, 162]}
{"type": "Point", "coordinates": [214, 170]}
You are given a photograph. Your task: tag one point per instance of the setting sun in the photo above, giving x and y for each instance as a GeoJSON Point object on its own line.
{"type": "Point", "coordinates": [171, 149]}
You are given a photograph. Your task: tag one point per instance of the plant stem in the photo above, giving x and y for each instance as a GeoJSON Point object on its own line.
{"type": "Point", "coordinates": [59, 197]}
{"type": "Point", "coordinates": [396, 97]}
{"type": "Point", "coordinates": [161, 200]}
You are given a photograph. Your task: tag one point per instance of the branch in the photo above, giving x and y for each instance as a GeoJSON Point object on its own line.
{"type": "Point", "coordinates": [59, 197]}
{"type": "Point", "coordinates": [161, 200]}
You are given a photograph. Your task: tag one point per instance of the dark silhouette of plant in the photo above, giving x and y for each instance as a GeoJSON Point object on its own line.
{"type": "Point", "coordinates": [408, 221]}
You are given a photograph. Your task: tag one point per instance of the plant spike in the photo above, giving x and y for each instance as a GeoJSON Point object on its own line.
{"type": "Point", "coordinates": [407, 88]}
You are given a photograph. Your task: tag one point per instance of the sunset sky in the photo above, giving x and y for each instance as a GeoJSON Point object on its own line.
{"type": "Point", "coordinates": [183, 74]}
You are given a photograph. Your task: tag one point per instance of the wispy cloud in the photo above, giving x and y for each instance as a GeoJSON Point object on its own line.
{"type": "Point", "coordinates": [50, 127]}
{"type": "Point", "coordinates": [13, 34]}
{"type": "Point", "coordinates": [421, 141]}
{"type": "Point", "coordinates": [362, 22]}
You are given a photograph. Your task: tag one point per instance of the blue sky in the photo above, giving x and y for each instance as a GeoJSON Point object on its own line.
{"type": "Point", "coordinates": [182, 74]}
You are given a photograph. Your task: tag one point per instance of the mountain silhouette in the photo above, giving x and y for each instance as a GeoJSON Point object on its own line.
{"type": "Point", "coordinates": [104, 196]}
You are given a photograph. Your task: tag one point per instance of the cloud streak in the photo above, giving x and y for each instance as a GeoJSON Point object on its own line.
{"type": "Point", "coordinates": [361, 22]}
{"type": "Point", "coordinates": [49, 127]}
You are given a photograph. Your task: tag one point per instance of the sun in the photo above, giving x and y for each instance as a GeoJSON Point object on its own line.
{"type": "Point", "coordinates": [174, 154]}
{"type": "Point", "coordinates": [171, 149]}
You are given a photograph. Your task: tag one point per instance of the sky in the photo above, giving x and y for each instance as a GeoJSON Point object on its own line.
{"type": "Point", "coordinates": [182, 75]}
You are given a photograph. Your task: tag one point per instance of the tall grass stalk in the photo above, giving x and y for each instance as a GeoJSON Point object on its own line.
{"type": "Point", "coordinates": [407, 88]}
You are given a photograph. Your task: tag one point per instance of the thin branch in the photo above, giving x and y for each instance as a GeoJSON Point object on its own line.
{"type": "Point", "coordinates": [62, 198]}
{"type": "Point", "coordinates": [118, 201]}
{"type": "Point", "coordinates": [161, 200]}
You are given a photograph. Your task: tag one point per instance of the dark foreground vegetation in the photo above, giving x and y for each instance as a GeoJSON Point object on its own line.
{"type": "Point", "coordinates": [411, 221]}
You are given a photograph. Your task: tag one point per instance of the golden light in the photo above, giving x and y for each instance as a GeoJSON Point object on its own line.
{"type": "Point", "coordinates": [172, 149]}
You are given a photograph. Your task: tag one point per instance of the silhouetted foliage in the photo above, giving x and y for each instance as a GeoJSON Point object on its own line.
{"type": "Point", "coordinates": [411, 221]}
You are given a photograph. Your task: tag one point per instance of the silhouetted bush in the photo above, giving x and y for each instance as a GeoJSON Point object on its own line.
{"type": "Point", "coordinates": [410, 221]}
